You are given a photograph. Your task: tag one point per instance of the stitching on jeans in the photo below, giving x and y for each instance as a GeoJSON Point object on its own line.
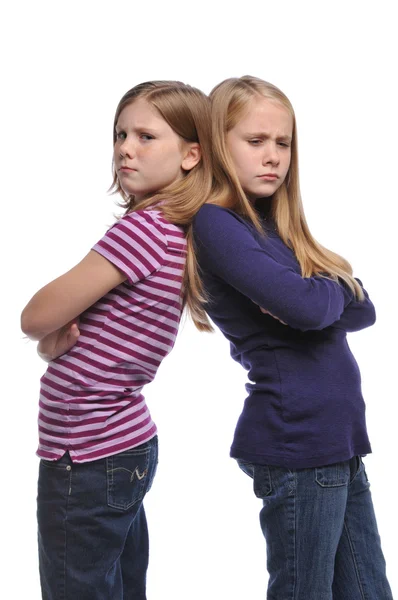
{"type": "Point", "coordinates": [358, 467]}
{"type": "Point", "coordinates": [141, 507]}
{"type": "Point", "coordinates": [135, 473]}
{"type": "Point", "coordinates": [65, 535]}
{"type": "Point", "coordinates": [354, 560]}
{"type": "Point", "coordinates": [109, 474]}
{"type": "Point", "coordinates": [294, 542]}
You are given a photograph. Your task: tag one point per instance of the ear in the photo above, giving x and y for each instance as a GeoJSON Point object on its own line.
{"type": "Point", "coordinates": [192, 157]}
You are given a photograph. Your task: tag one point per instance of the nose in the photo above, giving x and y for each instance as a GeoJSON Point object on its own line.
{"type": "Point", "coordinates": [271, 154]}
{"type": "Point", "coordinates": [126, 148]}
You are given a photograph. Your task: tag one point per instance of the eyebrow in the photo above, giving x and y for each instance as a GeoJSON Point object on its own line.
{"type": "Point", "coordinates": [137, 128]}
{"type": "Point", "coordinates": [262, 134]}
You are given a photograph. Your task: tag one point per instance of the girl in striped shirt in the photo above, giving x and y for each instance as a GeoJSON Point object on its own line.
{"type": "Point", "coordinates": [110, 321]}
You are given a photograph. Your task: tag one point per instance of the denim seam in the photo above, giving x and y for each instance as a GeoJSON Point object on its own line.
{"type": "Point", "coordinates": [354, 561]}
{"type": "Point", "coordinates": [295, 570]}
{"type": "Point", "coordinates": [65, 534]}
{"type": "Point", "coordinates": [356, 473]}
{"type": "Point", "coordinates": [125, 538]}
{"type": "Point", "coordinates": [109, 478]}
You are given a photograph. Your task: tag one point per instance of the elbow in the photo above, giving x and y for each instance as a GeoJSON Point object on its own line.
{"type": "Point", "coordinates": [29, 325]}
{"type": "Point", "coordinates": [315, 322]}
{"type": "Point", "coordinates": [311, 326]}
{"type": "Point", "coordinates": [26, 324]}
{"type": "Point", "coordinates": [372, 316]}
{"type": "Point", "coordinates": [368, 314]}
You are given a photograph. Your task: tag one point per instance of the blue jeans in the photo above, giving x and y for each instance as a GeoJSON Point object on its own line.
{"type": "Point", "coordinates": [93, 536]}
{"type": "Point", "coordinates": [321, 532]}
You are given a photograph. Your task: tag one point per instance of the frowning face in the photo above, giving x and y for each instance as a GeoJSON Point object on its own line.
{"type": "Point", "coordinates": [260, 147]}
{"type": "Point", "coordinates": [148, 154]}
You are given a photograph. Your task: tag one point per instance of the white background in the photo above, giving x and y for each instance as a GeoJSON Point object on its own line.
{"type": "Point", "coordinates": [65, 67]}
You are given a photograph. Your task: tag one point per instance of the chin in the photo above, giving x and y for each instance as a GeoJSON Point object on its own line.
{"type": "Point", "coordinates": [262, 194]}
{"type": "Point", "coordinates": [132, 192]}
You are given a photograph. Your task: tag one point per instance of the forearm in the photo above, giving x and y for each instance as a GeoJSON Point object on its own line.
{"type": "Point", "coordinates": [313, 303]}
{"type": "Point", "coordinates": [54, 305]}
{"type": "Point", "coordinates": [68, 296]}
{"type": "Point", "coordinates": [49, 310]}
{"type": "Point", "coordinates": [59, 342]}
{"type": "Point", "coordinates": [227, 249]}
{"type": "Point", "coordinates": [357, 314]}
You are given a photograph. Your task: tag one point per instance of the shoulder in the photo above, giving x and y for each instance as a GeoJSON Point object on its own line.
{"type": "Point", "coordinates": [154, 218]}
{"type": "Point", "coordinates": [214, 210]}
{"type": "Point", "coordinates": [148, 216]}
{"type": "Point", "coordinates": [214, 216]}
{"type": "Point", "coordinates": [220, 232]}
{"type": "Point", "coordinates": [147, 224]}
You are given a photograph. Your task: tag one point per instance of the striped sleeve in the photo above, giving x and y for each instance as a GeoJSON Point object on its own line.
{"type": "Point", "coordinates": [136, 244]}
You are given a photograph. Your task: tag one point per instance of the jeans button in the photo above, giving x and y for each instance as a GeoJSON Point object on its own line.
{"type": "Point", "coordinates": [68, 468]}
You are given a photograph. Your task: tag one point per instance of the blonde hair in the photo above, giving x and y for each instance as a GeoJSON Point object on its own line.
{"type": "Point", "coordinates": [230, 100]}
{"type": "Point", "coordinates": [187, 111]}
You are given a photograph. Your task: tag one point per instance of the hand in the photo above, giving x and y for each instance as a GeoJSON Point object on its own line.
{"type": "Point", "coordinates": [58, 342]}
{"type": "Point", "coordinates": [266, 312]}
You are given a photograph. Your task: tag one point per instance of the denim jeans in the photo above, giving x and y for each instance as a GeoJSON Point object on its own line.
{"type": "Point", "coordinates": [92, 530]}
{"type": "Point", "coordinates": [321, 532]}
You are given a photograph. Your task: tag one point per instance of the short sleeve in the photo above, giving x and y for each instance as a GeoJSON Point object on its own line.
{"type": "Point", "coordinates": [136, 244]}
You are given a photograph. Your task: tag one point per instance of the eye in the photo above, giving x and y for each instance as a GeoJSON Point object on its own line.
{"type": "Point", "coordinates": [121, 135]}
{"type": "Point", "coordinates": [146, 137]}
{"type": "Point", "coordinates": [255, 142]}
{"type": "Point", "coordinates": [284, 144]}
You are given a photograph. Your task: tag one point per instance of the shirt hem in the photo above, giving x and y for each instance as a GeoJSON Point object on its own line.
{"type": "Point", "coordinates": [75, 458]}
{"type": "Point", "coordinates": [299, 462]}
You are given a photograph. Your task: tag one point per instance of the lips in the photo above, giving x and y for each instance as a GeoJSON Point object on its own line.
{"type": "Point", "coordinates": [269, 176]}
{"type": "Point", "coordinates": [126, 171]}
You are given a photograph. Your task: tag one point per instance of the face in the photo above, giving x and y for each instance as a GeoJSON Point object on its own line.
{"type": "Point", "coordinates": [148, 154]}
{"type": "Point", "coordinates": [260, 147]}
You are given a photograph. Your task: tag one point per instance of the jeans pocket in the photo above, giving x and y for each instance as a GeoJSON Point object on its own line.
{"type": "Point", "coordinates": [61, 463]}
{"type": "Point", "coordinates": [262, 483]}
{"type": "Point", "coordinates": [130, 475]}
{"type": "Point", "coordinates": [50, 464]}
{"type": "Point", "coordinates": [362, 468]}
{"type": "Point", "coordinates": [335, 475]}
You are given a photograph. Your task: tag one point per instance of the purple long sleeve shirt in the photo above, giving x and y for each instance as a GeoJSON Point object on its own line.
{"type": "Point", "coordinates": [304, 406]}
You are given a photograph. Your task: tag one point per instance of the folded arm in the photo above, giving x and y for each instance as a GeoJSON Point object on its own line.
{"type": "Point", "coordinates": [59, 341]}
{"type": "Point", "coordinates": [65, 298]}
{"type": "Point", "coordinates": [227, 248]}
{"type": "Point", "coordinates": [357, 315]}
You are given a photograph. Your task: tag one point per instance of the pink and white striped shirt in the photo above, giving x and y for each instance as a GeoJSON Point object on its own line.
{"type": "Point", "coordinates": [91, 401]}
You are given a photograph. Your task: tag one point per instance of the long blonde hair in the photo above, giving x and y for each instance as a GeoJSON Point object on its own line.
{"type": "Point", "coordinates": [229, 102]}
{"type": "Point", "coordinates": [187, 111]}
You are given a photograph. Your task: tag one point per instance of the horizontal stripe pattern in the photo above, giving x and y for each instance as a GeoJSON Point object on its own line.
{"type": "Point", "coordinates": [91, 401]}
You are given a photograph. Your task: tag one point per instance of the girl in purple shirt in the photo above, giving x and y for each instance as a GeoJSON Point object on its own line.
{"type": "Point", "coordinates": [285, 303]}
